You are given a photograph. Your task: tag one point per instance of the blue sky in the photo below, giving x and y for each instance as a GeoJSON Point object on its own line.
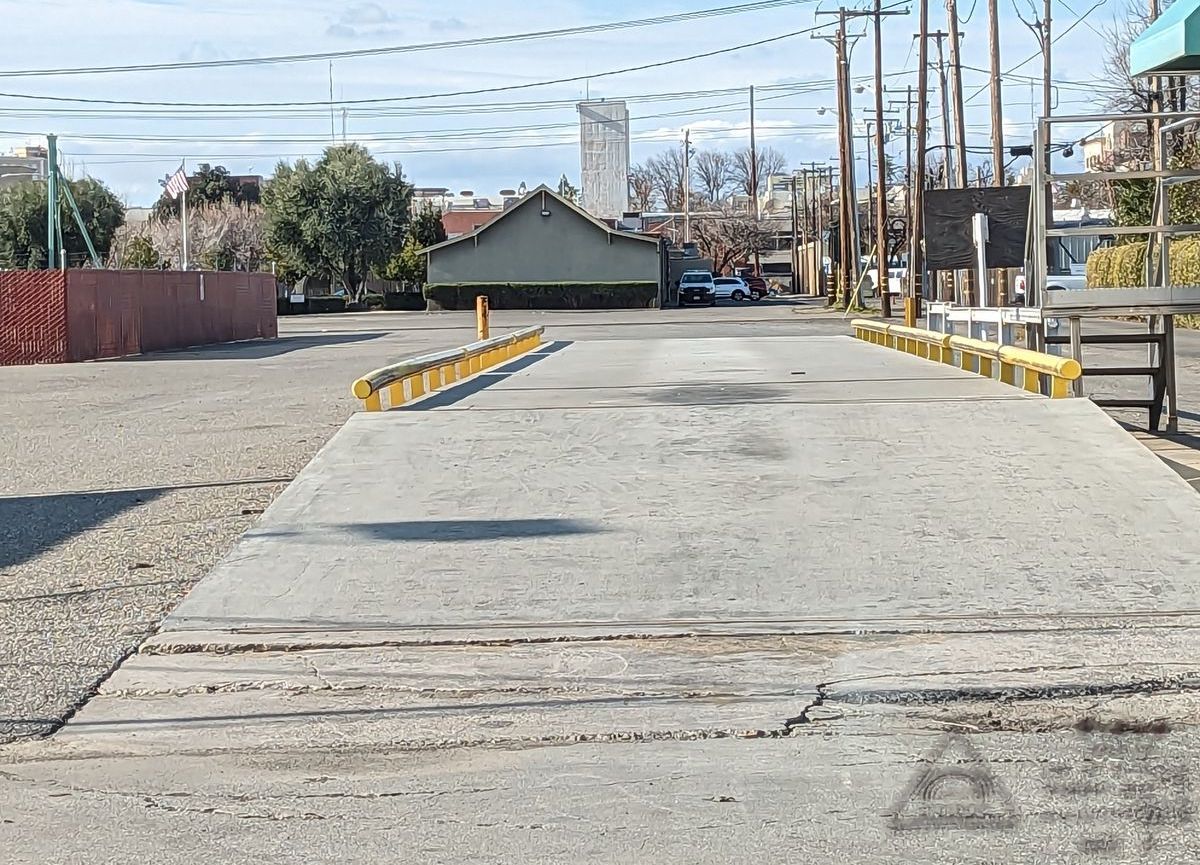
{"type": "Point", "coordinates": [446, 142]}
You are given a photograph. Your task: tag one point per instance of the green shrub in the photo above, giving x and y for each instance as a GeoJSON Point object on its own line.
{"type": "Point", "coordinates": [326, 303]}
{"type": "Point", "coordinates": [1125, 266]}
{"type": "Point", "coordinates": [544, 295]}
{"type": "Point", "coordinates": [407, 301]}
{"type": "Point", "coordinates": [1117, 266]}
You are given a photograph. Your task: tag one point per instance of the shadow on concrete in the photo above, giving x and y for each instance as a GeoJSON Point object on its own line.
{"type": "Point", "coordinates": [444, 531]}
{"type": "Point", "coordinates": [470, 530]}
{"type": "Point", "coordinates": [31, 525]}
{"type": "Point", "coordinates": [257, 349]}
{"type": "Point", "coordinates": [484, 380]}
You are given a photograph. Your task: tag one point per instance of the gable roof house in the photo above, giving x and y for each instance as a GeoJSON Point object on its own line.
{"type": "Point", "coordinates": [545, 252]}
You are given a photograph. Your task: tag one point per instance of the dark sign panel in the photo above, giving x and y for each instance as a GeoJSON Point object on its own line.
{"type": "Point", "coordinates": [948, 212]}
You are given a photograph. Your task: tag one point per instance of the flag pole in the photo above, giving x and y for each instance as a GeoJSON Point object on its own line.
{"type": "Point", "coordinates": [183, 210]}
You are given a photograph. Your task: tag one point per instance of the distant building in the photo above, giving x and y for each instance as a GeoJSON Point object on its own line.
{"type": "Point", "coordinates": [544, 238]}
{"type": "Point", "coordinates": [1121, 145]}
{"type": "Point", "coordinates": [604, 158]}
{"type": "Point", "coordinates": [465, 211]}
{"type": "Point", "coordinates": [22, 165]}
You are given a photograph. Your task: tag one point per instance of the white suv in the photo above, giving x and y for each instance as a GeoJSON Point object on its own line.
{"type": "Point", "coordinates": [732, 288]}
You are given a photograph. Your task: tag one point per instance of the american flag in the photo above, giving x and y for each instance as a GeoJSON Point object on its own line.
{"type": "Point", "coordinates": [176, 184]}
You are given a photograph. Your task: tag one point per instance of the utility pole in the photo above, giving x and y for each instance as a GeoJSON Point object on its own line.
{"type": "Point", "coordinates": [846, 222]}
{"type": "Point", "coordinates": [52, 229]}
{"type": "Point", "coordinates": [806, 230]}
{"type": "Point", "coordinates": [881, 206]}
{"type": "Point", "coordinates": [845, 160]}
{"type": "Point", "coordinates": [916, 257]}
{"type": "Point", "coordinates": [956, 94]}
{"type": "Point", "coordinates": [687, 186]}
{"type": "Point", "coordinates": [962, 178]}
{"type": "Point", "coordinates": [754, 182]}
{"type": "Point", "coordinates": [796, 280]}
{"type": "Point", "coordinates": [947, 165]}
{"type": "Point", "coordinates": [332, 120]}
{"type": "Point", "coordinates": [997, 104]}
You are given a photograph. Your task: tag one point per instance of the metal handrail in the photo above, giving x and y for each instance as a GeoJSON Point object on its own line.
{"type": "Point", "coordinates": [374, 381]}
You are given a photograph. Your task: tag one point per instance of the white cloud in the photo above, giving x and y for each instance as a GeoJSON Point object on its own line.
{"type": "Point", "coordinates": [363, 20]}
{"type": "Point", "coordinates": [441, 25]}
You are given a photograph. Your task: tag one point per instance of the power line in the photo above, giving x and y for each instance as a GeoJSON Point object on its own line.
{"type": "Point", "coordinates": [1079, 20]}
{"type": "Point", "coordinates": [757, 6]}
{"type": "Point", "coordinates": [318, 109]}
{"type": "Point", "coordinates": [445, 95]}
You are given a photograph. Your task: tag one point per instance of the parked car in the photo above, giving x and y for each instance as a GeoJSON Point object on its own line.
{"type": "Point", "coordinates": [758, 287]}
{"type": "Point", "coordinates": [732, 288]}
{"type": "Point", "coordinates": [696, 286]}
{"type": "Point", "coordinates": [1072, 279]}
{"type": "Point", "coordinates": [897, 276]}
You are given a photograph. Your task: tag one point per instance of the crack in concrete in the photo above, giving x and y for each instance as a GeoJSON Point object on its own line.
{"type": "Point", "coordinates": [1186, 682]}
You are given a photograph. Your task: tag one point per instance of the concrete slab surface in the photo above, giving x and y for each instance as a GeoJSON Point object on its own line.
{"type": "Point", "coordinates": [665, 514]}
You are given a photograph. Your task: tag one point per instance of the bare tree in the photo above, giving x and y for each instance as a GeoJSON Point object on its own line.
{"type": "Point", "coordinates": [666, 175]}
{"type": "Point", "coordinates": [770, 161]}
{"type": "Point", "coordinates": [714, 171]}
{"type": "Point", "coordinates": [728, 237]}
{"type": "Point", "coordinates": [641, 187]}
{"type": "Point", "coordinates": [224, 236]}
{"type": "Point", "coordinates": [1124, 94]}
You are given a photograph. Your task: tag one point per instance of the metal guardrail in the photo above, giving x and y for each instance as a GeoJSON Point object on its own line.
{"type": "Point", "coordinates": [406, 380]}
{"type": "Point", "coordinates": [1015, 366]}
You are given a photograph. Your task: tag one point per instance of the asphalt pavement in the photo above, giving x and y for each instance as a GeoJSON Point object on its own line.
{"type": "Point", "coordinates": [685, 592]}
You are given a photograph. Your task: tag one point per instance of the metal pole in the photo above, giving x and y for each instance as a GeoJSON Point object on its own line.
{"type": "Point", "coordinates": [1047, 99]}
{"type": "Point", "coordinates": [183, 211]}
{"type": "Point", "coordinates": [51, 202]}
{"type": "Point", "coordinates": [687, 186]}
{"type": "Point", "coordinates": [916, 258]}
{"type": "Point", "coordinates": [795, 240]}
{"type": "Point", "coordinates": [332, 120]}
{"type": "Point", "coordinates": [881, 208]}
{"type": "Point", "coordinates": [754, 182]}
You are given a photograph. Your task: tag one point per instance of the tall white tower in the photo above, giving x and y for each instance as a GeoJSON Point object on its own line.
{"type": "Point", "coordinates": [604, 157]}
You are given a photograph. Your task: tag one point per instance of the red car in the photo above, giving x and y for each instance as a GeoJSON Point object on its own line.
{"type": "Point", "coordinates": [758, 286]}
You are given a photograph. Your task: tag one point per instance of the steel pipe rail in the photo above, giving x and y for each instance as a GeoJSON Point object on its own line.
{"type": "Point", "coordinates": [1014, 366]}
{"type": "Point", "coordinates": [416, 376]}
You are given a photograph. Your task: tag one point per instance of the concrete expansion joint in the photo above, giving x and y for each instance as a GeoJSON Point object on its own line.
{"type": "Point", "coordinates": [1181, 683]}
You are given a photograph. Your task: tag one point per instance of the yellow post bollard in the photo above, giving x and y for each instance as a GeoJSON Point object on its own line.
{"type": "Point", "coordinates": [481, 317]}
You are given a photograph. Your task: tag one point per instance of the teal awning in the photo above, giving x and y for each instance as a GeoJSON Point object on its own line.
{"type": "Point", "coordinates": [1171, 44]}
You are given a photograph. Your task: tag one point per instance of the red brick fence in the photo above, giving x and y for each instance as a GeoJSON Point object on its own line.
{"type": "Point", "coordinates": [47, 316]}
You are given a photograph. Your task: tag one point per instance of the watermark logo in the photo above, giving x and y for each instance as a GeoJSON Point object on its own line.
{"type": "Point", "coordinates": [956, 789]}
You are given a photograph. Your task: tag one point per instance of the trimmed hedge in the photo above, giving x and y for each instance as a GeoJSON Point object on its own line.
{"type": "Point", "coordinates": [326, 303]}
{"type": "Point", "coordinates": [407, 301]}
{"type": "Point", "coordinates": [544, 295]}
{"type": "Point", "coordinates": [1124, 266]}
